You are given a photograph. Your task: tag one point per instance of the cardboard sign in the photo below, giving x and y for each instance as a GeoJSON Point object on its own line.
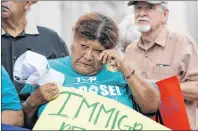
{"type": "Point", "coordinates": [172, 106]}
{"type": "Point", "coordinates": [78, 110]}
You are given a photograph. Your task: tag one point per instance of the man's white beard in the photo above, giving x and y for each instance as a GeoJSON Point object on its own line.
{"type": "Point", "coordinates": [143, 28]}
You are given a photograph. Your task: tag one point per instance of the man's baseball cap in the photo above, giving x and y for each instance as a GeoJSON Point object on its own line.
{"type": "Point", "coordinates": [33, 68]}
{"type": "Point", "coordinates": [150, 2]}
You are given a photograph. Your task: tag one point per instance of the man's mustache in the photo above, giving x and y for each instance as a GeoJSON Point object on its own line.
{"type": "Point", "coordinates": [143, 19]}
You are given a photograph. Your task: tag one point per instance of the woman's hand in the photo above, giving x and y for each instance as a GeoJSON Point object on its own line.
{"type": "Point", "coordinates": [49, 91]}
{"type": "Point", "coordinates": [112, 57]}
{"type": "Point", "coordinates": [43, 94]}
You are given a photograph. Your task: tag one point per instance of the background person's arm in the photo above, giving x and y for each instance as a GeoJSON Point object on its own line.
{"type": "Point", "coordinates": [11, 117]}
{"type": "Point", "coordinates": [11, 109]}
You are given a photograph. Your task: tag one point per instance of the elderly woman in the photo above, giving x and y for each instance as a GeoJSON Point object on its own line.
{"type": "Point", "coordinates": [88, 69]}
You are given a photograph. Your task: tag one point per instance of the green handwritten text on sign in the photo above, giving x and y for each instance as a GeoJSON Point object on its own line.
{"type": "Point", "coordinates": [77, 110]}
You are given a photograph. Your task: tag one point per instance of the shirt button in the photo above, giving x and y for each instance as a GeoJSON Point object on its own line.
{"type": "Point", "coordinates": [146, 54]}
{"type": "Point", "coordinates": [14, 57]}
{"type": "Point", "coordinates": [144, 74]}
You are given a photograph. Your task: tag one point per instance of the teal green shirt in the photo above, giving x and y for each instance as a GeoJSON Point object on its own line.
{"type": "Point", "coordinates": [105, 83]}
{"type": "Point", "coordinates": [10, 99]}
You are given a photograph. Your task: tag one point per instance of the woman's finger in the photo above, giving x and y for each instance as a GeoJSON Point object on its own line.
{"type": "Point", "coordinates": [52, 98]}
{"type": "Point", "coordinates": [53, 94]}
{"type": "Point", "coordinates": [110, 59]}
{"type": "Point", "coordinates": [104, 60]}
{"type": "Point", "coordinates": [48, 89]}
{"type": "Point", "coordinates": [100, 57]}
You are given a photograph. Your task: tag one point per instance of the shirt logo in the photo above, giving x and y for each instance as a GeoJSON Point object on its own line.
{"type": "Point", "coordinates": [111, 68]}
{"type": "Point", "coordinates": [104, 90]}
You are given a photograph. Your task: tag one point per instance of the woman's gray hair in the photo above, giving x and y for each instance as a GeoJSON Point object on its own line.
{"type": "Point", "coordinates": [127, 31]}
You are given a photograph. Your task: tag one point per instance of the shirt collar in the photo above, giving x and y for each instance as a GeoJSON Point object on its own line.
{"type": "Point", "coordinates": [160, 40]}
{"type": "Point", "coordinates": [162, 37]}
{"type": "Point", "coordinates": [30, 29]}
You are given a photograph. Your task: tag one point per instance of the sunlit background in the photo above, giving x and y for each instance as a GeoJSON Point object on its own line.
{"type": "Point", "coordinates": [62, 15]}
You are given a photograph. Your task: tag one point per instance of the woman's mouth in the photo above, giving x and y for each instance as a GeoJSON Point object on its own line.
{"type": "Point", "coordinates": [86, 64]}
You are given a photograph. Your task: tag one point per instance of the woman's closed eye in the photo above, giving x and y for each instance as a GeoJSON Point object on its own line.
{"type": "Point", "coordinates": [98, 51]}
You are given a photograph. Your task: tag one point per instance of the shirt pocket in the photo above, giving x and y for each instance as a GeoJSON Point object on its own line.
{"type": "Point", "coordinates": [162, 72]}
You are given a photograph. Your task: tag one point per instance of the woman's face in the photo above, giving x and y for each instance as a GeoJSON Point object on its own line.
{"type": "Point", "coordinates": [84, 56]}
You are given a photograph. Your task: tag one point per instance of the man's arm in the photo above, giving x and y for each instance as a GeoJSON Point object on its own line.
{"type": "Point", "coordinates": [190, 90]}
{"type": "Point", "coordinates": [189, 66]}
{"type": "Point", "coordinates": [11, 117]}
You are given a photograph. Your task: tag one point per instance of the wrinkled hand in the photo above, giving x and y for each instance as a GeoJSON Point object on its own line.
{"type": "Point", "coordinates": [111, 57]}
{"type": "Point", "coordinates": [44, 93]}
{"type": "Point", "coordinates": [49, 91]}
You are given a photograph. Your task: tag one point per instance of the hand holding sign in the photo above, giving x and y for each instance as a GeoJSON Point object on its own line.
{"type": "Point", "coordinates": [49, 91]}
{"type": "Point", "coordinates": [43, 94]}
